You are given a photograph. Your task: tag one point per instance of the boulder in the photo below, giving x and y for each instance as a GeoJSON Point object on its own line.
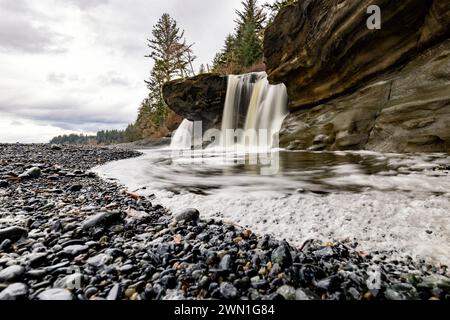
{"type": "Point", "coordinates": [200, 98]}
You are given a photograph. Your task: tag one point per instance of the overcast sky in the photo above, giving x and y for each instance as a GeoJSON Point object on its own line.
{"type": "Point", "coordinates": [78, 65]}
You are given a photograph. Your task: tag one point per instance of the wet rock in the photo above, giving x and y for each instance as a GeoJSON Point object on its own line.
{"type": "Point", "coordinates": [15, 291]}
{"type": "Point", "coordinates": [282, 256]}
{"type": "Point", "coordinates": [329, 284]}
{"type": "Point", "coordinates": [287, 292]}
{"type": "Point", "coordinates": [401, 291]}
{"type": "Point", "coordinates": [5, 245]}
{"type": "Point", "coordinates": [99, 260]}
{"type": "Point", "coordinates": [324, 253]}
{"type": "Point", "coordinates": [433, 281]}
{"type": "Point", "coordinates": [305, 294]}
{"type": "Point", "coordinates": [75, 250]}
{"type": "Point", "coordinates": [32, 173]}
{"type": "Point", "coordinates": [90, 292]}
{"type": "Point", "coordinates": [102, 219]}
{"type": "Point", "coordinates": [55, 295]}
{"type": "Point", "coordinates": [11, 273]}
{"type": "Point", "coordinates": [228, 291]}
{"type": "Point", "coordinates": [114, 293]}
{"type": "Point", "coordinates": [72, 281]}
{"type": "Point", "coordinates": [225, 263]}
{"type": "Point", "coordinates": [37, 259]}
{"type": "Point", "coordinates": [188, 215]}
{"type": "Point", "coordinates": [12, 233]}
{"type": "Point", "coordinates": [55, 147]}
{"type": "Point", "coordinates": [169, 281]}
{"type": "Point", "coordinates": [75, 188]}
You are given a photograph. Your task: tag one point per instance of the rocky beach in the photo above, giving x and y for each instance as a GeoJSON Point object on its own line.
{"type": "Point", "coordinates": [67, 234]}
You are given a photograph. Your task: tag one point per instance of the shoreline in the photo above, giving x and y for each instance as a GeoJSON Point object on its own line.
{"type": "Point", "coordinates": [77, 236]}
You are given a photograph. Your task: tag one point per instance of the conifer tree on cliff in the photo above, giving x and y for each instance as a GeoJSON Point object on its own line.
{"type": "Point", "coordinates": [249, 33]}
{"type": "Point", "coordinates": [245, 47]}
{"type": "Point", "coordinates": [172, 58]}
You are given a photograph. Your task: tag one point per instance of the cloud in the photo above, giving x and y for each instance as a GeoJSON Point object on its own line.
{"type": "Point", "coordinates": [87, 4]}
{"type": "Point", "coordinates": [25, 30]}
{"type": "Point", "coordinates": [21, 36]}
{"type": "Point", "coordinates": [112, 78]}
{"type": "Point", "coordinates": [79, 64]}
{"type": "Point", "coordinates": [62, 78]}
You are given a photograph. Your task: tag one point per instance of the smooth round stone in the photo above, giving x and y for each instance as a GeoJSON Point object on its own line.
{"type": "Point", "coordinates": [282, 256]}
{"type": "Point", "coordinates": [14, 291]}
{"type": "Point", "coordinates": [90, 292]}
{"type": "Point", "coordinates": [11, 273]}
{"type": "Point", "coordinates": [34, 173]}
{"type": "Point", "coordinates": [99, 260]}
{"type": "Point", "coordinates": [225, 263]}
{"type": "Point", "coordinates": [12, 233]}
{"type": "Point", "coordinates": [114, 293]}
{"type": "Point", "coordinates": [228, 291]}
{"type": "Point", "coordinates": [76, 188]}
{"type": "Point", "coordinates": [75, 250]}
{"type": "Point", "coordinates": [72, 281]}
{"type": "Point", "coordinates": [287, 292]}
{"type": "Point", "coordinates": [188, 215]}
{"type": "Point", "coordinates": [55, 295]}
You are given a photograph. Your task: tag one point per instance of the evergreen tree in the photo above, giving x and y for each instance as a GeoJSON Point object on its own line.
{"type": "Point", "coordinates": [249, 33]}
{"type": "Point", "coordinates": [169, 49]}
{"type": "Point", "coordinates": [245, 47]}
{"type": "Point", "coordinates": [250, 48]}
{"type": "Point", "coordinates": [252, 13]}
{"type": "Point", "coordinates": [172, 57]}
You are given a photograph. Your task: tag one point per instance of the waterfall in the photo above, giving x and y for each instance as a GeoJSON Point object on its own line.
{"type": "Point", "coordinates": [254, 111]}
{"type": "Point", "coordinates": [262, 106]}
{"type": "Point", "coordinates": [182, 139]}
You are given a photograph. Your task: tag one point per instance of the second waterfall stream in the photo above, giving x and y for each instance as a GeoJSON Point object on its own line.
{"type": "Point", "coordinates": [253, 113]}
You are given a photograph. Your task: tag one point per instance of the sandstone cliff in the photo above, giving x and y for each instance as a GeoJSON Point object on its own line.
{"type": "Point", "coordinates": [354, 88]}
{"type": "Point", "coordinates": [200, 98]}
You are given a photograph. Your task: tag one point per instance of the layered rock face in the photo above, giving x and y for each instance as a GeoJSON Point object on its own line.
{"type": "Point", "coordinates": [354, 88]}
{"type": "Point", "coordinates": [200, 98]}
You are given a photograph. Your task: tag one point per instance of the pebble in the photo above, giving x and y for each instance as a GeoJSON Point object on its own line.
{"type": "Point", "coordinates": [188, 215]}
{"type": "Point", "coordinates": [76, 188]}
{"type": "Point", "coordinates": [12, 233]}
{"type": "Point", "coordinates": [101, 219]}
{"type": "Point", "coordinates": [14, 291]}
{"type": "Point", "coordinates": [11, 273]}
{"type": "Point", "coordinates": [287, 292]}
{"type": "Point", "coordinates": [228, 291]}
{"type": "Point", "coordinates": [282, 256]}
{"type": "Point", "coordinates": [102, 243]}
{"type": "Point", "coordinates": [72, 281]}
{"type": "Point", "coordinates": [75, 250]}
{"type": "Point", "coordinates": [99, 260]}
{"type": "Point", "coordinates": [32, 173]}
{"type": "Point", "coordinates": [55, 295]}
{"type": "Point", "coordinates": [114, 293]}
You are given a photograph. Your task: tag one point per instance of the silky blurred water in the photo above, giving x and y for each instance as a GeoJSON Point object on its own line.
{"type": "Point", "coordinates": [383, 201]}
